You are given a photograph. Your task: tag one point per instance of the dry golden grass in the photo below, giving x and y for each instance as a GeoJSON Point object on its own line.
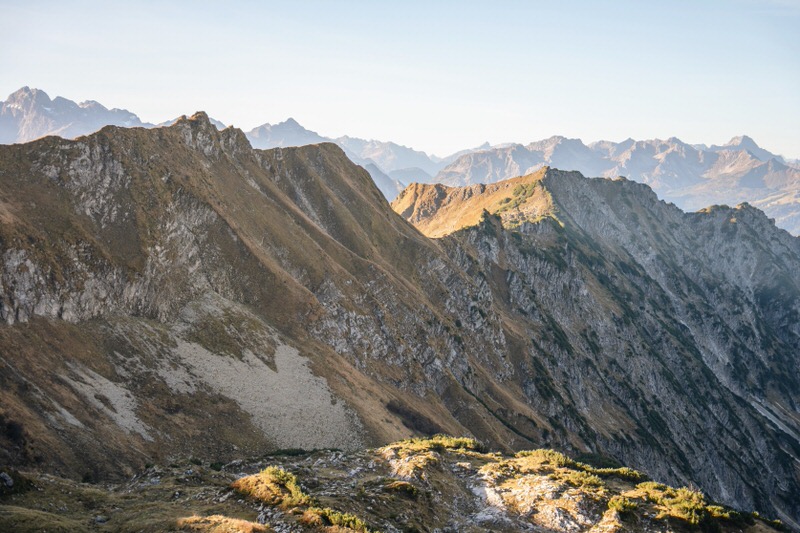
{"type": "Point", "coordinates": [220, 524]}
{"type": "Point", "coordinates": [437, 210]}
{"type": "Point", "coordinates": [273, 486]}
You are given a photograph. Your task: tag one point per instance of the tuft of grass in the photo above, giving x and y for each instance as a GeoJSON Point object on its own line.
{"type": "Point", "coordinates": [219, 523]}
{"type": "Point", "coordinates": [622, 505]}
{"type": "Point", "coordinates": [274, 486]}
{"type": "Point", "coordinates": [441, 443]}
{"type": "Point", "coordinates": [625, 473]}
{"type": "Point", "coordinates": [550, 457]}
{"type": "Point", "coordinates": [578, 478]}
{"type": "Point", "coordinates": [557, 459]}
{"type": "Point", "coordinates": [401, 487]}
{"type": "Point", "coordinates": [316, 516]}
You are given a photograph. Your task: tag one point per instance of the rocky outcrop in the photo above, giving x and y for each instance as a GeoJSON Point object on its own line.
{"type": "Point", "coordinates": [439, 484]}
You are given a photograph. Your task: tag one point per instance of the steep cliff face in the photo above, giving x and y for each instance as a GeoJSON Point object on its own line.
{"type": "Point", "coordinates": [174, 292]}
{"type": "Point", "coordinates": [666, 338]}
{"type": "Point", "coordinates": [173, 289]}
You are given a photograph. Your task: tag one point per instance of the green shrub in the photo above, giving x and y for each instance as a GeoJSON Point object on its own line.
{"type": "Point", "coordinates": [440, 443]}
{"type": "Point", "coordinates": [622, 505]}
{"type": "Point", "coordinates": [577, 478]}
{"type": "Point", "coordinates": [550, 457]}
{"type": "Point", "coordinates": [330, 517]}
{"type": "Point", "coordinates": [689, 505]}
{"type": "Point", "coordinates": [625, 473]}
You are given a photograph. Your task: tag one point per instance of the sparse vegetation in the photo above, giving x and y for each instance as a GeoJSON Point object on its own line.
{"type": "Point", "coordinates": [329, 517]}
{"type": "Point", "coordinates": [402, 487]}
{"type": "Point", "coordinates": [440, 443]}
{"type": "Point", "coordinates": [560, 460]}
{"type": "Point", "coordinates": [521, 193]}
{"type": "Point", "coordinates": [577, 478]}
{"type": "Point", "coordinates": [686, 504]}
{"type": "Point", "coordinates": [274, 486]}
{"type": "Point", "coordinates": [621, 504]}
{"type": "Point", "coordinates": [219, 524]}
{"type": "Point", "coordinates": [366, 491]}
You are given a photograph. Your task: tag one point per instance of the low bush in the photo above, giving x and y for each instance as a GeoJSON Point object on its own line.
{"type": "Point", "coordinates": [329, 517]}
{"type": "Point", "coordinates": [622, 505]}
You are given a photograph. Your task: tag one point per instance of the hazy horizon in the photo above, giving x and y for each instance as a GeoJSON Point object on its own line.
{"type": "Point", "coordinates": [437, 78]}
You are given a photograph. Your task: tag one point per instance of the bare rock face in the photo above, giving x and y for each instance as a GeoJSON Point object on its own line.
{"type": "Point", "coordinates": [173, 291]}
{"type": "Point", "coordinates": [640, 314]}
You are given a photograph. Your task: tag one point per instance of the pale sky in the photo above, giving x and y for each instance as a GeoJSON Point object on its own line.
{"type": "Point", "coordinates": [437, 76]}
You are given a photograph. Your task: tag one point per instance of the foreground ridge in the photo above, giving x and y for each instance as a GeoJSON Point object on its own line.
{"type": "Point", "coordinates": [437, 484]}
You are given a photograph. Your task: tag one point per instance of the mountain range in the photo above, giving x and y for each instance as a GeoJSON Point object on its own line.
{"type": "Point", "coordinates": [691, 176]}
{"type": "Point", "coordinates": [172, 292]}
{"type": "Point", "coordinates": [29, 114]}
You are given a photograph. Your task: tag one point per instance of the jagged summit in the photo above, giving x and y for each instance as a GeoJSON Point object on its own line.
{"type": "Point", "coordinates": [286, 133]}
{"type": "Point", "coordinates": [439, 210]}
{"type": "Point", "coordinates": [29, 114]}
{"type": "Point", "coordinates": [743, 142]}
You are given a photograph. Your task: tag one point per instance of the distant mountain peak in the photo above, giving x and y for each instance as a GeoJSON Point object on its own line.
{"type": "Point", "coordinates": [741, 140]}
{"type": "Point", "coordinates": [92, 104]}
{"type": "Point", "coordinates": [744, 142]}
{"type": "Point", "coordinates": [26, 94]}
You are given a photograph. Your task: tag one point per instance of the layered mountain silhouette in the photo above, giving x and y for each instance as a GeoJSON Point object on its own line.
{"type": "Point", "coordinates": [174, 291]}
{"type": "Point", "coordinates": [28, 114]}
{"type": "Point", "coordinates": [691, 176]}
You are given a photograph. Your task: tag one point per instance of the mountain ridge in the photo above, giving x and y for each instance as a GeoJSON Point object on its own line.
{"type": "Point", "coordinates": [691, 176]}
{"type": "Point", "coordinates": [185, 273]}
